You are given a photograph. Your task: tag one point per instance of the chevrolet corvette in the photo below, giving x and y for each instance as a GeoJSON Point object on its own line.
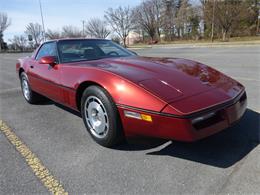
{"type": "Point", "coordinates": [120, 94]}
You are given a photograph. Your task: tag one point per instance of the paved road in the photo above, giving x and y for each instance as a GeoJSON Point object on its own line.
{"type": "Point", "coordinates": [225, 163]}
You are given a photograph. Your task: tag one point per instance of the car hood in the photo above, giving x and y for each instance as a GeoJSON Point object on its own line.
{"type": "Point", "coordinates": [171, 79]}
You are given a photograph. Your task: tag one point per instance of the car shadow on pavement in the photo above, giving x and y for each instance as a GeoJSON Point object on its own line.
{"type": "Point", "coordinates": [220, 150]}
{"type": "Point", "coordinates": [50, 102]}
{"type": "Point", "coordinates": [76, 113]}
{"type": "Point", "coordinates": [223, 149]}
{"type": "Point", "coordinates": [139, 143]}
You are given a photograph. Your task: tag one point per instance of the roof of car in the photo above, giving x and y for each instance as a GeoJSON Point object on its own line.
{"type": "Point", "coordinates": [72, 39]}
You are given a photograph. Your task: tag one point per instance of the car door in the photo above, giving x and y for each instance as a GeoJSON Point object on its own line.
{"type": "Point", "coordinates": [44, 78]}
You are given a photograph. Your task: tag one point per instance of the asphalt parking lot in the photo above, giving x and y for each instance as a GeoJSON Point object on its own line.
{"type": "Point", "coordinates": [228, 162]}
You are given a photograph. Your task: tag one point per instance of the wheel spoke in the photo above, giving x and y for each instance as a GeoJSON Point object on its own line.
{"type": "Point", "coordinates": [96, 117]}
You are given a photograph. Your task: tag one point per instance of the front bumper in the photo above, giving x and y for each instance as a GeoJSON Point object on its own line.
{"type": "Point", "coordinates": [182, 128]}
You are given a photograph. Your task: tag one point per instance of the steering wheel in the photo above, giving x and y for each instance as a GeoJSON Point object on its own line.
{"type": "Point", "coordinates": [113, 53]}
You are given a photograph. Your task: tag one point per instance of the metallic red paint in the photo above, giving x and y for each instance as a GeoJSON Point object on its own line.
{"type": "Point", "coordinates": [171, 90]}
{"type": "Point", "coordinates": [48, 60]}
{"type": "Point", "coordinates": [182, 129]}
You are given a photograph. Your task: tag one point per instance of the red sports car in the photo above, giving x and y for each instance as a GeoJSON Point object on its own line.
{"type": "Point", "coordinates": [121, 94]}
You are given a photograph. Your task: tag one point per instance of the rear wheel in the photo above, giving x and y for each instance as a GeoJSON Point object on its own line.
{"type": "Point", "coordinates": [29, 95]}
{"type": "Point", "coordinates": [101, 117]}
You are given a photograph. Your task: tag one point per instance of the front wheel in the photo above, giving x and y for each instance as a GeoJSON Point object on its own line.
{"type": "Point", "coordinates": [29, 95]}
{"type": "Point", "coordinates": [101, 117]}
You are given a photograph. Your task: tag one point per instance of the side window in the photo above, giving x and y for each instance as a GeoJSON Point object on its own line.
{"type": "Point", "coordinates": [48, 49]}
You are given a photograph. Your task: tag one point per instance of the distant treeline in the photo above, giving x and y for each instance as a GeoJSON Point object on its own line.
{"type": "Point", "coordinates": [152, 21]}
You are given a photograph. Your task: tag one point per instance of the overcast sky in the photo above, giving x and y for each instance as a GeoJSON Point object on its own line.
{"type": "Point", "coordinates": [56, 13]}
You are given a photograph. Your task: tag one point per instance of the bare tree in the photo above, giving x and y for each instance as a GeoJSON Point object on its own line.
{"type": "Point", "coordinates": [35, 30]}
{"type": "Point", "coordinates": [97, 28]}
{"type": "Point", "coordinates": [250, 17]}
{"type": "Point", "coordinates": [51, 34]}
{"type": "Point", "coordinates": [231, 18]}
{"type": "Point", "coordinates": [147, 16]}
{"type": "Point", "coordinates": [158, 15]}
{"type": "Point", "coordinates": [168, 18]}
{"type": "Point", "coordinates": [194, 22]}
{"type": "Point", "coordinates": [18, 42]}
{"type": "Point", "coordinates": [227, 15]}
{"type": "Point", "coordinates": [121, 21]}
{"type": "Point", "coordinates": [71, 32]}
{"type": "Point", "coordinates": [5, 22]}
{"type": "Point", "coordinates": [182, 17]}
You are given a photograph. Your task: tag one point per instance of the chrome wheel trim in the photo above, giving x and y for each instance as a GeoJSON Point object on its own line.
{"type": "Point", "coordinates": [25, 88]}
{"type": "Point", "coordinates": [96, 117]}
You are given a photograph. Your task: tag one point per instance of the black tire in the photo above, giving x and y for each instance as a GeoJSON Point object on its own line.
{"type": "Point", "coordinates": [31, 97]}
{"type": "Point", "coordinates": [113, 131]}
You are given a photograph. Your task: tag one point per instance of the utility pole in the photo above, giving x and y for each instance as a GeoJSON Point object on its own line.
{"type": "Point", "coordinates": [213, 21]}
{"type": "Point", "coordinates": [83, 28]}
{"type": "Point", "coordinates": [258, 23]}
{"type": "Point", "coordinates": [43, 28]}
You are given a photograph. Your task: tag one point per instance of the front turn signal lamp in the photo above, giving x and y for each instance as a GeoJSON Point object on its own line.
{"type": "Point", "coordinates": [144, 117]}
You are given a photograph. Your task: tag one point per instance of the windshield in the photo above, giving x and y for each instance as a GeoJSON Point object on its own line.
{"type": "Point", "coordinates": [79, 50]}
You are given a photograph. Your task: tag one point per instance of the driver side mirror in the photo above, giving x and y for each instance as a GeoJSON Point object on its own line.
{"type": "Point", "coordinates": [51, 60]}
